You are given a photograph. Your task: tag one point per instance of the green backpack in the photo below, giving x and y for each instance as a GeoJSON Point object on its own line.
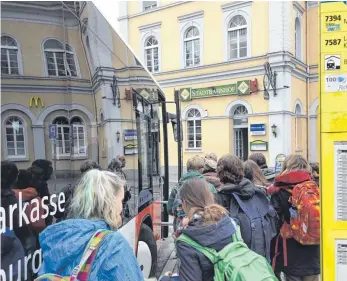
{"type": "Point", "coordinates": [235, 262]}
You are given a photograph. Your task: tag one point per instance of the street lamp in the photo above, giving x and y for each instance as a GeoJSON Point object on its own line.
{"type": "Point", "coordinates": [118, 136]}
{"type": "Point", "coordinates": [274, 130]}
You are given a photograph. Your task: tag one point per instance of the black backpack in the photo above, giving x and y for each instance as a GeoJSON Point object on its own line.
{"type": "Point", "coordinates": [258, 221]}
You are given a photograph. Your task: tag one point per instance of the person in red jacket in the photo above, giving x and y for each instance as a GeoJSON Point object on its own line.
{"type": "Point", "coordinates": [26, 187]}
{"type": "Point", "coordinates": [297, 261]}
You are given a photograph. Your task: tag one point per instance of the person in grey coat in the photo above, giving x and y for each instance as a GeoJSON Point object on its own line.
{"type": "Point", "coordinates": [209, 225]}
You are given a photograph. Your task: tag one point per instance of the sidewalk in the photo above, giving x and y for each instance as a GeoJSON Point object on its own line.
{"type": "Point", "coordinates": [167, 259]}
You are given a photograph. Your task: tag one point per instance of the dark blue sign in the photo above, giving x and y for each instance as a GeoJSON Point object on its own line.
{"type": "Point", "coordinates": [130, 134]}
{"type": "Point", "coordinates": [257, 129]}
{"type": "Point", "coordinates": [52, 131]}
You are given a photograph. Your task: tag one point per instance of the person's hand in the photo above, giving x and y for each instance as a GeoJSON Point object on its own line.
{"type": "Point", "coordinates": [168, 273]}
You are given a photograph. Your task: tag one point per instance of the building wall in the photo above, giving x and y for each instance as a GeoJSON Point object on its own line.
{"type": "Point", "coordinates": [271, 26]}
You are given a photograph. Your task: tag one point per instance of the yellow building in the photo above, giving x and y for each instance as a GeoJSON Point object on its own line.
{"type": "Point", "coordinates": [62, 64]}
{"type": "Point", "coordinates": [214, 54]}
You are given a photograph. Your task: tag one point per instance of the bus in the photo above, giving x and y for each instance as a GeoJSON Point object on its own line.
{"type": "Point", "coordinates": [72, 91]}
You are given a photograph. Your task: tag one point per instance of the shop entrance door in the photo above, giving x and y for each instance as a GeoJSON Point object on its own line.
{"type": "Point", "coordinates": [241, 143]}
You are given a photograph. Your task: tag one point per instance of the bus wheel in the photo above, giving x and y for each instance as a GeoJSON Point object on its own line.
{"type": "Point", "coordinates": [147, 251]}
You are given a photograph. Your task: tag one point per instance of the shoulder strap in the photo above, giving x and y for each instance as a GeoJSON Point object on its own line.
{"type": "Point", "coordinates": [236, 236]}
{"type": "Point", "coordinates": [209, 253]}
{"type": "Point", "coordinates": [243, 206]}
{"type": "Point", "coordinates": [91, 248]}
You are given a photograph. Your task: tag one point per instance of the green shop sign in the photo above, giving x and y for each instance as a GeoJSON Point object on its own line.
{"type": "Point", "coordinates": [239, 88]}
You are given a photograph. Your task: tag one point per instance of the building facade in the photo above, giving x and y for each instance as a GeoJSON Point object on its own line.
{"type": "Point", "coordinates": [214, 54]}
{"type": "Point", "coordinates": [66, 80]}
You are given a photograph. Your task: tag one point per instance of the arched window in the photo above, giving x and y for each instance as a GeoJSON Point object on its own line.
{"type": "Point", "coordinates": [237, 37]}
{"type": "Point", "coordinates": [240, 111]}
{"type": "Point", "coordinates": [298, 130]}
{"type": "Point", "coordinates": [192, 47]}
{"type": "Point", "coordinates": [15, 137]}
{"type": "Point", "coordinates": [297, 38]}
{"type": "Point", "coordinates": [194, 129]}
{"type": "Point", "coordinates": [9, 56]}
{"type": "Point", "coordinates": [60, 61]}
{"type": "Point", "coordinates": [64, 134]}
{"type": "Point", "coordinates": [152, 54]}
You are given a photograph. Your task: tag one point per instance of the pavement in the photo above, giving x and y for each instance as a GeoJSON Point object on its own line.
{"type": "Point", "coordinates": [167, 258]}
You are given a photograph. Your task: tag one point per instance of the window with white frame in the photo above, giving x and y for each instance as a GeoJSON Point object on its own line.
{"type": "Point", "coordinates": [15, 137]}
{"type": "Point", "coordinates": [297, 38]}
{"type": "Point", "coordinates": [9, 55]}
{"type": "Point", "coordinates": [148, 5]}
{"type": "Point", "coordinates": [237, 37]}
{"type": "Point", "coordinates": [60, 61]}
{"type": "Point", "coordinates": [298, 130]}
{"type": "Point", "coordinates": [194, 129]}
{"type": "Point", "coordinates": [152, 54]}
{"type": "Point", "coordinates": [192, 47]}
{"type": "Point", "coordinates": [65, 145]}
{"type": "Point", "coordinates": [78, 136]}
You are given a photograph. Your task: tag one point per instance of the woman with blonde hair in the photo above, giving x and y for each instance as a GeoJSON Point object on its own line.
{"type": "Point", "coordinates": [299, 262]}
{"type": "Point", "coordinates": [209, 225]}
{"type": "Point", "coordinates": [96, 213]}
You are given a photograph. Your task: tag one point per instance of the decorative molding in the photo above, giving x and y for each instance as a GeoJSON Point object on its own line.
{"type": "Point", "coordinates": [298, 102]}
{"type": "Point", "coordinates": [49, 78]}
{"type": "Point", "coordinates": [19, 107]}
{"type": "Point", "coordinates": [312, 4]}
{"type": "Point", "coordinates": [229, 112]}
{"type": "Point", "coordinates": [313, 108]}
{"type": "Point", "coordinates": [51, 89]}
{"type": "Point", "coordinates": [235, 5]}
{"type": "Point", "coordinates": [192, 106]}
{"type": "Point", "coordinates": [298, 7]}
{"type": "Point", "coordinates": [150, 26]}
{"type": "Point", "coordinates": [154, 10]}
{"type": "Point", "coordinates": [192, 16]}
{"type": "Point", "coordinates": [67, 107]}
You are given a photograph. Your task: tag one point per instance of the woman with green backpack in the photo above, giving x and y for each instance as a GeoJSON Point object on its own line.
{"type": "Point", "coordinates": [210, 247]}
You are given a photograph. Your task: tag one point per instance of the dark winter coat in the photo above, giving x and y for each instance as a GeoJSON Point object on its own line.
{"type": "Point", "coordinates": [211, 177]}
{"type": "Point", "coordinates": [252, 196]}
{"type": "Point", "coordinates": [268, 173]}
{"type": "Point", "coordinates": [303, 260]}
{"type": "Point", "coordinates": [193, 264]}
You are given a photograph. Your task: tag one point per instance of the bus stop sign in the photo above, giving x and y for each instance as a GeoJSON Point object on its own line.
{"type": "Point", "coordinates": [52, 132]}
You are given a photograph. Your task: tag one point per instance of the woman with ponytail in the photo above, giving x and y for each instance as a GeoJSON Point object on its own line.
{"type": "Point", "coordinates": [209, 225]}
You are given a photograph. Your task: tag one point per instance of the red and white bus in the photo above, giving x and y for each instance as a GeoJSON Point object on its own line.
{"type": "Point", "coordinates": [64, 67]}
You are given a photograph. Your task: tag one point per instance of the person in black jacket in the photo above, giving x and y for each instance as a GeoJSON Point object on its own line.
{"type": "Point", "coordinates": [260, 159]}
{"type": "Point", "coordinates": [303, 261]}
{"type": "Point", "coordinates": [209, 225]}
{"type": "Point", "coordinates": [9, 174]}
{"type": "Point", "coordinates": [246, 204]}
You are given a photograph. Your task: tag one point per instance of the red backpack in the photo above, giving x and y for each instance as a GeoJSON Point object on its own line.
{"type": "Point", "coordinates": [304, 224]}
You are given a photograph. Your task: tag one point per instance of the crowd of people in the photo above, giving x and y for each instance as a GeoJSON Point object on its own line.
{"type": "Point", "coordinates": [229, 216]}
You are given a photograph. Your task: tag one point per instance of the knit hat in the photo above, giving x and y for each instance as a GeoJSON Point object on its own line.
{"type": "Point", "coordinates": [210, 165]}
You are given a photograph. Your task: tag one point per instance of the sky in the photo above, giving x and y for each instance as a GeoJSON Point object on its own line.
{"type": "Point", "coordinates": [110, 10]}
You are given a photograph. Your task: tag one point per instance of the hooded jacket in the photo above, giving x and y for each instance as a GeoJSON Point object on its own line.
{"type": "Point", "coordinates": [193, 264]}
{"type": "Point", "coordinates": [175, 190]}
{"type": "Point", "coordinates": [63, 245]}
{"type": "Point", "coordinates": [245, 190]}
{"type": "Point", "coordinates": [303, 260]}
{"type": "Point", "coordinates": [268, 173]}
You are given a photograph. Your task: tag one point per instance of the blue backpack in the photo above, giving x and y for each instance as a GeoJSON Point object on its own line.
{"type": "Point", "coordinates": [258, 221]}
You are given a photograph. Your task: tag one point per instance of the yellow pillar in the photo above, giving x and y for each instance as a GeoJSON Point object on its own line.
{"type": "Point", "coordinates": [333, 139]}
